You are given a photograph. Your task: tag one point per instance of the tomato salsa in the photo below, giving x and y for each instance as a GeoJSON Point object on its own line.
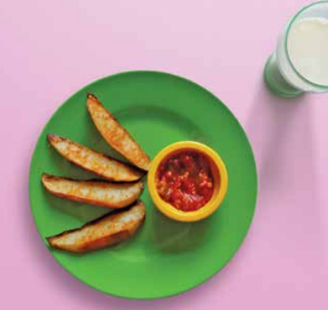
{"type": "Point", "coordinates": [185, 180]}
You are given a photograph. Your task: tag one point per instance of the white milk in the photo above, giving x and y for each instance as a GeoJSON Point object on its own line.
{"type": "Point", "coordinates": [308, 49]}
{"type": "Point", "coordinates": [307, 46]}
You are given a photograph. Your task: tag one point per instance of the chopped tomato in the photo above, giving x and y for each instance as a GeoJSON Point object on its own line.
{"type": "Point", "coordinates": [185, 180]}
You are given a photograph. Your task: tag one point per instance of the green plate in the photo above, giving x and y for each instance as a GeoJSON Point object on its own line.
{"type": "Point", "coordinates": [165, 257]}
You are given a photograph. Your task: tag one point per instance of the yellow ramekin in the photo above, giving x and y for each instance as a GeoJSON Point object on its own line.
{"type": "Point", "coordinates": [219, 173]}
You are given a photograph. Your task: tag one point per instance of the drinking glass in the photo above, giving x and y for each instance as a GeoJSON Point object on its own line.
{"type": "Point", "coordinates": [280, 74]}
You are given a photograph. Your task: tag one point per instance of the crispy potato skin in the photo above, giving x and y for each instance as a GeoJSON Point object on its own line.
{"type": "Point", "coordinates": [90, 160]}
{"type": "Point", "coordinates": [106, 231]}
{"type": "Point", "coordinates": [115, 134]}
{"type": "Point", "coordinates": [88, 191]}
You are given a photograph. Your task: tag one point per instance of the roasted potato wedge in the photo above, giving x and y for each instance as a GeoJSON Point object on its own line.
{"type": "Point", "coordinates": [113, 195]}
{"type": "Point", "coordinates": [108, 230]}
{"type": "Point", "coordinates": [100, 164]}
{"type": "Point", "coordinates": [115, 134]}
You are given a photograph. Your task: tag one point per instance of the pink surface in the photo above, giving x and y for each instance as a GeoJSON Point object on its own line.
{"type": "Point", "coordinates": [50, 49]}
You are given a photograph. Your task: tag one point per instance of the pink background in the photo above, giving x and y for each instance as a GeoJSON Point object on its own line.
{"type": "Point", "coordinates": [50, 49]}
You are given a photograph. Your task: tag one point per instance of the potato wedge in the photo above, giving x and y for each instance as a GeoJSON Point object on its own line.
{"type": "Point", "coordinates": [115, 134]}
{"type": "Point", "coordinates": [113, 195]}
{"type": "Point", "coordinates": [100, 164]}
{"type": "Point", "coordinates": [108, 230]}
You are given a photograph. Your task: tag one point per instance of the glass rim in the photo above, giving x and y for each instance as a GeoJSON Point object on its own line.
{"type": "Point", "coordinates": [289, 25]}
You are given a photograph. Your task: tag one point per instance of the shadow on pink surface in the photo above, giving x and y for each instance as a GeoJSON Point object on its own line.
{"type": "Point", "coordinates": [282, 136]}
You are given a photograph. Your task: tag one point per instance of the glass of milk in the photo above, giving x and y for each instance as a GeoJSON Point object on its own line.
{"type": "Point", "coordinates": [300, 62]}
